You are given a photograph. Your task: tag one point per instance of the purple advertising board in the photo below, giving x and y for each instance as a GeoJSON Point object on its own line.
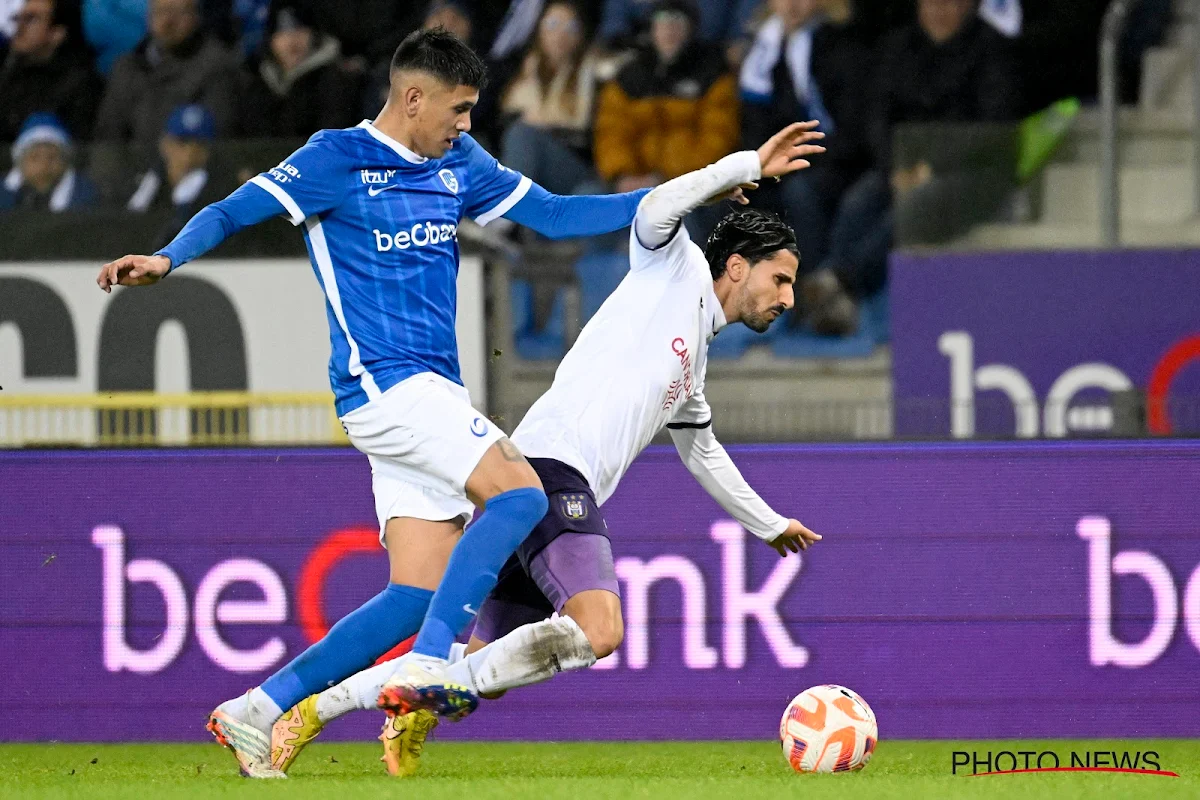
{"type": "Point", "coordinates": [1037, 589]}
{"type": "Point", "coordinates": [1036, 344]}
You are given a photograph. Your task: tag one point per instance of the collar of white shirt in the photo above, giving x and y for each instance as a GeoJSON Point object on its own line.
{"type": "Point", "coordinates": [716, 314]}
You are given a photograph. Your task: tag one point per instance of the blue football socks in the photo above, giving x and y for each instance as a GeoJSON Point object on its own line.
{"type": "Point", "coordinates": [353, 644]}
{"type": "Point", "coordinates": [475, 565]}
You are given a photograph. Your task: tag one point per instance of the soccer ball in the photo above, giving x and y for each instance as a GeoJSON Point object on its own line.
{"type": "Point", "coordinates": [828, 729]}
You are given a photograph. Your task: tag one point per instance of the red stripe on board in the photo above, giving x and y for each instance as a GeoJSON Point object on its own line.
{"type": "Point", "coordinates": [1081, 769]}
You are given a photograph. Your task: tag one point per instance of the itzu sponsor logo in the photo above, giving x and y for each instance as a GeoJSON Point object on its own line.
{"type": "Point", "coordinates": [419, 235]}
{"type": "Point", "coordinates": [377, 177]}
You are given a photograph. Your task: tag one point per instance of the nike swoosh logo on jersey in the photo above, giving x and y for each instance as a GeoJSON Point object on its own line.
{"type": "Point", "coordinates": [467, 608]}
{"type": "Point", "coordinates": [372, 191]}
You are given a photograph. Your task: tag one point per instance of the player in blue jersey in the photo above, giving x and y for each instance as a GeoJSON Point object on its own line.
{"type": "Point", "coordinates": [380, 205]}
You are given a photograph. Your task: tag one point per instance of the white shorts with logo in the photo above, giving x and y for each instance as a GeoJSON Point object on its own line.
{"type": "Point", "coordinates": [423, 439]}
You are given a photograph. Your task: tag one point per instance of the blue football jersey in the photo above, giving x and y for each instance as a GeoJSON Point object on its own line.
{"type": "Point", "coordinates": [381, 226]}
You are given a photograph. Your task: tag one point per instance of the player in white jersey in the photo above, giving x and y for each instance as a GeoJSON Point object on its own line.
{"type": "Point", "coordinates": [638, 365]}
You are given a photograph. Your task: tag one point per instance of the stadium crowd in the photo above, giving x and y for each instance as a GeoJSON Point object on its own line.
{"type": "Point", "coordinates": [593, 97]}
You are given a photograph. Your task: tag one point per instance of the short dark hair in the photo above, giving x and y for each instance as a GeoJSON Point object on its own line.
{"type": "Point", "coordinates": [443, 55]}
{"type": "Point", "coordinates": [750, 233]}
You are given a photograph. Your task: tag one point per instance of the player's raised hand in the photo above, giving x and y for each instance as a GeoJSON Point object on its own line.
{"type": "Point", "coordinates": [785, 152]}
{"type": "Point", "coordinates": [132, 271]}
{"type": "Point", "coordinates": [795, 538]}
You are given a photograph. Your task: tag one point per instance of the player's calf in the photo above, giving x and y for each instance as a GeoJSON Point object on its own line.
{"type": "Point", "coordinates": [530, 654]}
{"type": "Point", "coordinates": [598, 614]}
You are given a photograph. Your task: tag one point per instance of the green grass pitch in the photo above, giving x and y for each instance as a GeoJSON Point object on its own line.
{"type": "Point", "coordinates": [743, 770]}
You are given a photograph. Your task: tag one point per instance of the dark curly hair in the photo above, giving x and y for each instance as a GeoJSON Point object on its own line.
{"type": "Point", "coordinates": [750, 233]}
{"type": "Point", "coordinates": [443, 55]}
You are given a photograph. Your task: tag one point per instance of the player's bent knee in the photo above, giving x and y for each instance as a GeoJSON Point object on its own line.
{"type": "Point", "coordinates": [501, 470]}
{"type": "Point", "coordinates": [528, 505]}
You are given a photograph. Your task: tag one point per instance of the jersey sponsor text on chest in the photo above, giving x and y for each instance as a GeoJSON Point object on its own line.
{"type": "Point", "coordinates": [682, 386]}
{"type": "Point", "coordinates": [420, 235]}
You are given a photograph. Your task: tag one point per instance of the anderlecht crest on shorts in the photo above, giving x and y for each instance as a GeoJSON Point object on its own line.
{"type": "Point", "coordinates": [448, 178]}
{"type": "Point", "coordinates": [574, 506]}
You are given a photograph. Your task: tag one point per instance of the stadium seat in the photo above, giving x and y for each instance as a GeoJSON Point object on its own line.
{"type": "Point", "coordinates": [734, 340]}
{"type": "Point", "coordinates": [877, 317]}
{"type": "Point", "coordinates": [533, 343]}
{"type": "Point", "coordinates": [872, 331]}
{"type": "Point", "coordinates": [598, 273]}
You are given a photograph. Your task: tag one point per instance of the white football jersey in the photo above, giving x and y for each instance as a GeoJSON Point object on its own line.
{"type": "Point", "coordinates": [638, 365]}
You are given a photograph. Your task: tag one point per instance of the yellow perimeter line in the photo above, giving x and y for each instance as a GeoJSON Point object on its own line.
{"type": "Point", "coordinates": [154, 400]}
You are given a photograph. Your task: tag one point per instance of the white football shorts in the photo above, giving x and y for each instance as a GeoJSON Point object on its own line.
{"type": "Point", "coordinates": [423, 439]}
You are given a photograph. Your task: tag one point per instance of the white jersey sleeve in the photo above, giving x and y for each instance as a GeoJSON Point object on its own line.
{"type": "Point", "coordinates": [658, 238]}
{"type": "Point", "coordinates": [710, 464]}
{"type": "Point", "coordinates": [694, 413]}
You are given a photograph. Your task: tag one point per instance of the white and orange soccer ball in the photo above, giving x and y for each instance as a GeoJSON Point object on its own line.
{"type": "Point", "coordinates": [828, 729]}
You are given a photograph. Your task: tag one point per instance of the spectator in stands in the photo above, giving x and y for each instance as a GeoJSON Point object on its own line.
{"type": "Point", "coordinates": [454, 16]}
{"type": "Point", "coordinates": [550, 103]}
{"type": "Point", "coordinates": [514, 30]}
{"type": "Point", "coordinates": [297, 86]}
{"type": "Point", "coordinates": [367, 29]}
{"type": "Point", "coordinates": [8, 22]}
{"type": "Point", "coordinates": [810, 60]}
{"type": "Point", "coordinates": [877, 18]}
{"type": "Point", "coordinates": [175, 65]}
{"type": "Point", "coordinates": [113, 28]}
{"type": "Point", "coordinates": [671, 110]}
{"type": "Point", "coordinates": [42, 176]}
{"type": "Point", "coordinates": [181, 183]}
{"type": "Point", "coordinates": [717, 21]}
{"type": "Point", "coordinates": [1056, 45]}
{"type": "Point", "coordinates": [251, 18]}
{"type": "Point", "coordinates": [43, 72]}
{"type": "Point", "coordinates": [949, 67]}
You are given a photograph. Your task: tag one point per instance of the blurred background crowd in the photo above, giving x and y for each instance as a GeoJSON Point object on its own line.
{"type": "Point", "coordinates": [154, 107]}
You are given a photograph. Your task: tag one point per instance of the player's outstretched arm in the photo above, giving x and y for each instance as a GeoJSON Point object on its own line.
{"type": "Point", "coordinates": [660, 214]}
{"type": "Point", "coordinates": [210, 226]}
{"type": "Point", "coordinates": [712, 467]}
{"type": "Point", "coordinates": [560, 216]}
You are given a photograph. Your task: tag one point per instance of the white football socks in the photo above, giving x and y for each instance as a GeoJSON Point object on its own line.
{"type": "Point", "coordinates": [530, 654]}
{"type": "Point", "coordinates": [254, 708]}
{"type": "Point", "coordinates": [359, 691]}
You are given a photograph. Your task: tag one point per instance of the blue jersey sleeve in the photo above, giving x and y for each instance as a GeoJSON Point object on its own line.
{"type": "Point", "coordinates": [311, 180]}
{"type": "Point", "coordinates": [559, 215]}
{"type": "Point", "coordinates": [493, 188]}
{"type": "Point", "coordinates": [497, 191]}
{"type": "Point", "coordinates": [218, 221]}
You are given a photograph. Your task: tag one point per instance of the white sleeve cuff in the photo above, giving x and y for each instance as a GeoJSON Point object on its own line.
{"type": "Point", "coordinates": [285, 199]}
{"type": "Point", "coordinates": [505, 205]}
{"type": "Point", "coordinates": [660, 211]}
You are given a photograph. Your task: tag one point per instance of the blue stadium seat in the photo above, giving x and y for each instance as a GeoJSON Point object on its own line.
{"type": "Point", "coordinates": [598, 273]}
{"type": "Point", "coordinates": [800, 343]}
{"type": "Point", "coordinates": [876, 315]}
{"type": "Point", "coordinates": [734, 340]}
{"type": "Point", "coordinates": [531, 343]}
{"type": "Point", "coordinates": [872, 331]}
